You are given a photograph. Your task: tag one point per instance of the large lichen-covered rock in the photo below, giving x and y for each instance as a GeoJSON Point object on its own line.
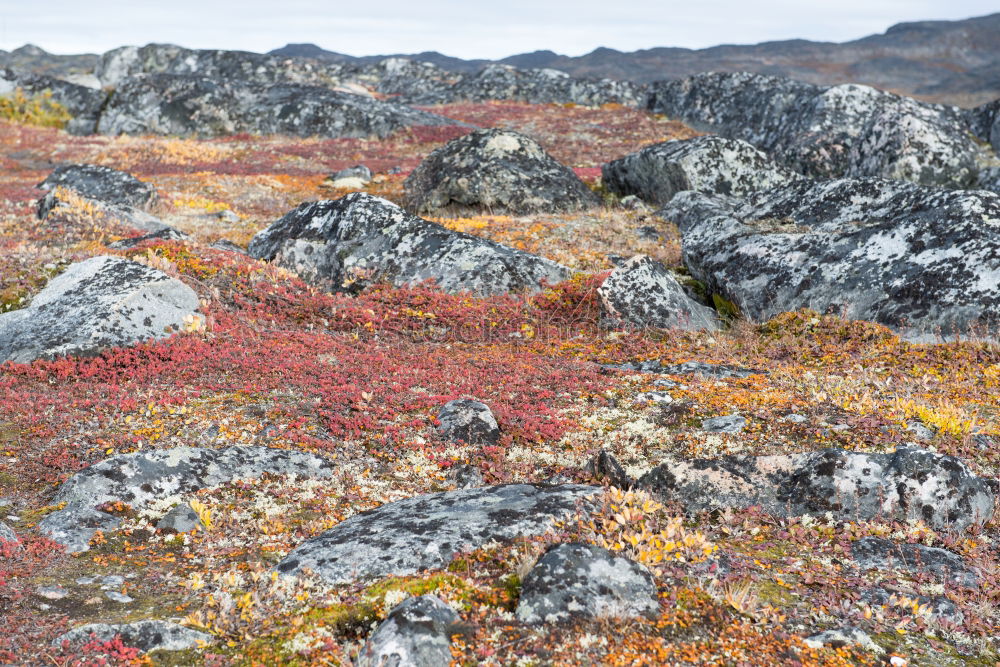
{"type": "Point", "coordinates": [417, 632]}
{"type": "Point", "coordinates": [428, 531]}
{"type": "Point", "coordinates": [150, 635]}
{"type": "Point", "coordinates": [140, 479]}
{"type": "Point", "coordinates": [845, 130]}
{"type": "Point", "coordinates": [102, 183]}
{"type": "Point", "coordinates": [187, 104]}
{"type": "Point", "coordinates": [706, 164]}
{"type": "Point", "coordinates": [82, 103]}
{"type": "Point", "coordinates": [575, 581]}
{"type": "Point", "coordinates": [643, 293]}
{"type": "Point", "coordinates": [96, 304]}
{"type": "Point", "coordinates": [360, 239]}
{"type": "Point", "coordinates": [923, 261]}
{"type": "Point", "coordinates": [496, 170]}
{"type": "Point", "coordinates": [910, 483]}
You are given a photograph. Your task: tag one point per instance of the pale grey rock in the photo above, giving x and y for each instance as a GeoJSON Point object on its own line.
{"type": "Point", "coordinates": [140, 478]}
{"type": "Point", "coordinates": [120, 598]}
{"type": "Point", "coordinates": [55, 206]}
{"type": "Point", "coordinates": [708, 164]}
{"type": "Point", "coordinates": [576, 581]}
{"type": "Point", "coordinates": [643, 293]}
{"type": "Point", "coordinates": [93, 305]}
{"type": "Point", "coordinates": [87, 581]}
{"type": "Point", "coordinates": [495, 170]}
{"type": "Point", "coordinates": [466, 476]}
{"type": "Point", "coordinates": [427, 532]}
{"type": "Point", "coordinates": [146, 636]}
{"type": "Point", "coordinates": [883, 555]}
{"type": "Point", "coordinates": [842, 638]}
{"type": "Point", "coordinates": [7, 533]}
{"type": "Point", "coordinates": [54, 592]}
{"type": "Point", "coordinates": [699, 368]}
{"type": "Point", "coordinates": [112, 582]}
{"type": "Point", "coordinates": [724, 424]}
{"type": "Point", "coordinates": [181, 519]}
{"type": "Point", "coordinates": [359, 171]}
{"type": "Point", "coordinates": [416, 633]}
{"type": "Point", "coordinates": [468, 421]}
{"type": "Point", "coordinates": [919, 430]}
{"type": "Point", "coordinates": [103, 184]}
{"type": "Point", "coordinates": [360, 239]}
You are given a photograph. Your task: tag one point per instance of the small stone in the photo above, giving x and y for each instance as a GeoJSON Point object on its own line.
{"type": "Point", "coordinates": [112, 582]}
{"type": "Point", "coordinates": [654, 397]}
{"type": "Point", "coordinates": [724, 424]}
{"type": "Point", "coordinates": [54, 592]}
{"type": "Point", "coordinates": [115, 596]}
{"type": "Point", "coordinates": [795, 419]}
{"type": "Point", "coordinates": [416, 633]}
{"type": "Point", "coordinates": [467, 476]}
{"type": "Point", "coordinates": [841, 638]}
{"type": "Point", "coordinates": [86, 581]}
{"type": "Point", "coordinates": [149, 635]}
{"type": "Point", "coordinates": [468, 421]}
{"type": "Point", "coordinates": [7, 533]}
{"type": "Point", "coordinates": [919, 430]}
{"type": "Point", "coordinates": [359, 172]}
{"type": "Point", "coordinates": [181, 519]}
{"type": "Point", "coordinates": [227, 215]}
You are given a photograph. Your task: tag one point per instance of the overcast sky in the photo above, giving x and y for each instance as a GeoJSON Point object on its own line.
{"type": "Point", "coordinates": [467, 29]}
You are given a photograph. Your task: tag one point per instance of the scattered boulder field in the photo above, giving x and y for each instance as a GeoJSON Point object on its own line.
{"type": "Point", "coordinates": [376, 364]}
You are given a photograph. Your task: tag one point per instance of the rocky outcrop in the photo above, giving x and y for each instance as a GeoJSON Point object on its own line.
{"type": "Point", "coordinates": [102, 183]}
{"type": "Point", "coordinates": [428, 531]}
{"type": "Point", "coordinates": [144, 635]}
{"type": "Point", "coordinates": [96, 304]}
{"type": "Point", "coordinates": [643, 293]}
{"type": "Point", "coordinates": [845, 130]}
{"type": "Point", "coordinates": [468, 421]}
{"type": "Point", "coordinates": [361, 239]}
{"type": "Point", "coordinates": [923, 261]}
{"type": "Point", "coordinates": [577, 581]}
{"type": "Point", "coordinates": [496, 170]}
{"type": "Point", "coordinates": [706, 164]}
{"type": "Point", "coordinates": [143, 478]}
{"type": "Point", "coordinates": [82, 103]}
{"type": "Point", "coordinates": [416, 632]}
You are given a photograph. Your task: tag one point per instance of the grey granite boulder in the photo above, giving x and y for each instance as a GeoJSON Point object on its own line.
{"type": "Point", "coordinates": [468, 421]}
{"type": "Point", "coordinates": [643, 293]}
{"type": "Point", "coordinates": [361, 239]}
{"type": "Point", "coordinates": [724, 424]}
{"type": "Point", "coordinates": [102, 183]}
{"type": "Point", "coordinates": [82, 103]}
{"type": "Point", "coordinates": [141, 478]}
{"type": "Point", "coordinates": [576, 581]}
{"type": "Point", "coordinates": [876, 553]}
{"type": "Point", "coordinates": [923, 261]}
{"type": "Point", "coordinates": [705, 164]}
{"type": "Point", "coordinates": [910, 483]}
{"type": "Point", "coordinates": [416, 633]}
{"type": "Point", "coordinates": [429, 531]}
{"type": "Point", "coordinates": [7, 533]}
{"type": "Point", "coordinates": [58, 205]}
{"type": "Point", "coordinates": [495, 170]}
{"type": "Point", "coordinates": [96, 304]}
{"type": "Point", "coordinates": [146, 636]}
{"type": "Point", "coordinates": [844, 130]}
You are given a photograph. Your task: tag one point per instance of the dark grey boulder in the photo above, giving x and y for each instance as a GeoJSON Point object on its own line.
{"type": "Point", "coordinates": [102, 183]}
{"type": "Point", "coordinates": [428, 531]}
{"type": "Point", "coordinates": [984, 121]}
{"type": "Point", "coordinates": [923, 261]}
{"type": "Point", "coordinates": [165, 234]}
{"type": "Point", "coordinates": [876, 553]}
{"type": "Point", "coordinates": [844, 130]}
{"type": "Point", "coordinates": [724, 424]}
{"type": "Point", "coordinates": [910, 483]}
{"type": "Point", "coordinates": [989, 179]}
{"type": "Point", "coordinates": [577, 581]}
{"type": "Point", "coordinates": [643, 293]}
{"type": "Point", "coordinates": [58, 205]}
{"type": "Point", "coordinates": [361, 239]}
{"type": "Point", "coordinates": [417, 633]}
{"type": "Point", "coordinates": [700, 368]}
{"type": "Point", "coordinates": [82, 103]}
{"type": "Point", "coordinates": [141, 478]}
{"type": "Point", "coordinates": [96, 304]}
{"type": "Point", "coordinates": [181, 519]}
{"type": "Point", "coordinates": [706, 164]}
{"type": "Point", "coordinates": [7, 533]}
{"type": "Point", "coordinates": [144, 635]}
{"type": "Point", "coordinates": [468, 421]}
{"type": "Point", "coordinates": [495, 170]}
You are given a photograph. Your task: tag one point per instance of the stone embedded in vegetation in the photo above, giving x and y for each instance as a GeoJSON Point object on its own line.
{"type": "Point", "coordinates": [361, 239]}
{"type": "Point", "coordinates": [7, 533]}
{"type": "Point", "coordinates": [428, 531]}
{"type": "Point", "coordinates": [843, 637]}
{"type": "Point", "coordinates": [102, 183]}
{"type": "Point", "coordinates": [938, 607]}
{"type": "Point", "coordinates": [468, 421]}
{"type": "Point", "coordinates": [498, 171]}
{"type": "Point", "coordinates": [724, 424]}
{"type": "Point", "coordinates": [907, 484]}
{"type": "Point", "coordinates": [165, 234]}
{"type": "Point", "coordinates": [576, 581]}
{"type": "Point", "coordinates": [181, 519]}
{"type": "Point", "coordinates": [883, 555]}
{"type": "Point", "coordinates": [643, 293]}
{"type": "Point", "coordinates": [150, 635]}
{"type": "Point", "coordinates": [416, 632]}
{"type": "Point", "coordinates": [142, 478]}
{"type": "Point", "coordinates": [96, 304]}
{"type": "Point", "coordinates": [706, 164]}
{"type": "Point", "coordinates": [923, 261]}
{"type": "Point", "coordinates": [715, 371]}
{"type": "Point", "coordinates": [61, 204]}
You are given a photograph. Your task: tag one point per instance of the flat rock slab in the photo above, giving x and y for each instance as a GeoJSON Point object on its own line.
{"type": "Point", "coordinates": [881, 554]}
{"type": "Point", "coordinates": [143, 635]}
{"type": "Point", "coordinates": [577, 581]}
{"type": "Point", "coordinates": [910, 483]}
{"type": "Point", "coordinates": [360, 239]}
{"type": "Point", "coordinates": [429, 531]}
{"type": "Point", "coordinates": [643, 293]}
{"type": "Point", "coordinates": [495, 170]}
{"type": "Point", "coordinates": [705, 164]}
{"type": "Point", "coordinates": [96, 304]}
{"type": "Point", "coordinates": [416, 632]}
{"type": "Point", "coordinates": [141, 478]}
{"type": "Point", "coordinates": [102, 183]}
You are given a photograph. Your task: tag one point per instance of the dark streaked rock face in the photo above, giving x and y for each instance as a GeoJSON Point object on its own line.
{"type": "Point", "coordinates": [416, 632]}
{"type": "Point", "coordinates": [83, 104]}
{"type": "Point", "coordinates": [495, 170]}
{"type": "Point", "coordinates": [102, 183]}
{"type": "Point", "coordinates": [360, 239]}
